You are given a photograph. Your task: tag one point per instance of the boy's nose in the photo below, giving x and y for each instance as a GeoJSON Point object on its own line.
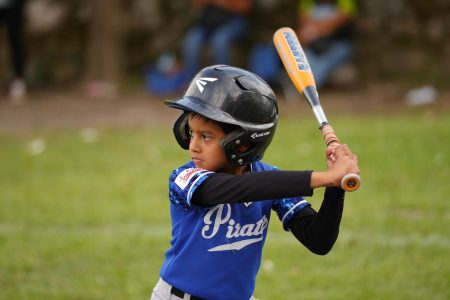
{"type": "Point", "coordinates": [193, 145]}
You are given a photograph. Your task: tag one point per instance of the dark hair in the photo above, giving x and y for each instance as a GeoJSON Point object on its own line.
{"type": "Point", "coordinates": [227, 128]}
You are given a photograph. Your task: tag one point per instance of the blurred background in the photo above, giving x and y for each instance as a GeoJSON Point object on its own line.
{"type": "Point", "coordinates": [86, 145]}
{"type": "Point", "coordinates": [113, 44]}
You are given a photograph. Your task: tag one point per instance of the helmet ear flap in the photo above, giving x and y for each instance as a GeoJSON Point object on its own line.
{"type": "Point", "coordinates": [230, 144]}
{"type": "Point", "coordinates": [256, 142]}
{"type": "Point", "coordinates": [181, 130]}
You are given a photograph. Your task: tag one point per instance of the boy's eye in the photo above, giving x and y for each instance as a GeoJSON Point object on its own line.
{"type": "Point", "coordinates": [190, 132]}
{"type": "Point", "coordinates": [206, 137]}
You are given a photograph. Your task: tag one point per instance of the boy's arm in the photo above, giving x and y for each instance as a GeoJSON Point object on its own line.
{"type": "Point", "coordinates": [318, 231]}
{"type": "Point", "coordinates": [250, 187]}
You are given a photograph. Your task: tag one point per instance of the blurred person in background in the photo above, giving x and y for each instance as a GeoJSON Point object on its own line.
{"type": "Point", "coordinates": [220, 23]}
{"type": "Point", "coordinates": [324, 29]}
{"type": "Point", "coordinates": [11, 15]}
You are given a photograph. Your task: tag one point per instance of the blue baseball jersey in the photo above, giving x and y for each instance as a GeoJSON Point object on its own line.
{"type": "Point", "coordinates": [216, 251]}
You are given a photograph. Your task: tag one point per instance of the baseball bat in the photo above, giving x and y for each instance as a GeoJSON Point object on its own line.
{"type": "Point", "coordinates": [299, 70]}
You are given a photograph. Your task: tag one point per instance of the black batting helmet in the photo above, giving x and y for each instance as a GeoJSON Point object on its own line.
{"type": "Point", "coordinates": [233, 96]}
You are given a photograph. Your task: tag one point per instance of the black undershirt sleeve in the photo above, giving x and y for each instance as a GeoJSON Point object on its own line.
{"type": "Point", "coordinates": [250, 187]}
{"type": "Point", "coordinates": [318, 231]}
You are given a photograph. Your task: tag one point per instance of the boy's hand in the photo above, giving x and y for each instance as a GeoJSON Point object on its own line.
{"type": "Point", "coordinates": [340, 161]}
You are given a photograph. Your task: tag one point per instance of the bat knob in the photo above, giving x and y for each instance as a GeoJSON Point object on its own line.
{"type": "Point", "coordinates": [350, 182]}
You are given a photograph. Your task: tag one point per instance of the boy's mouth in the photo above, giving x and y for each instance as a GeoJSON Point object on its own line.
{"type": "Point", "coordinates": [196, 160]}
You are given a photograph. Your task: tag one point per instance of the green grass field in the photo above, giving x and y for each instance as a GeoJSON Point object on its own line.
{"type": "Point", "coordinates": [89, 220]}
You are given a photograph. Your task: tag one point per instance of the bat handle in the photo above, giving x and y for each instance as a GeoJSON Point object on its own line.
{"type": "Point", "coordinates": [351, 181]}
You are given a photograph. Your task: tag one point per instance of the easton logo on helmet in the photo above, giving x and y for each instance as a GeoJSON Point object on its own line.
{"type": "Point", "coordinates": [203, 81]}
{"type": "Point", "coordinates": [257, 135]}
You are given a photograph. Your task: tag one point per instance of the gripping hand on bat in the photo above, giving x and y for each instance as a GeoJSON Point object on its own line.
{"type": "Point", "coordinates": [342, 163]}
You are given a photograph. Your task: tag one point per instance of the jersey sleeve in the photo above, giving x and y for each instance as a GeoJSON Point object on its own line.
{"type": "Point", "coordinates": [183, 182]}
{"type": "Point", "coordinates": [286, 208]}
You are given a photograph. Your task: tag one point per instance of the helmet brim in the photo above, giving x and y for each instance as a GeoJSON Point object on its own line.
{"type": "Point", "coordinates": [197, 106]}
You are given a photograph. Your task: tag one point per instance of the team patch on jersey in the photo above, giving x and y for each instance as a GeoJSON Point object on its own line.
{"type": "Point", "coordinates": [184, 177]}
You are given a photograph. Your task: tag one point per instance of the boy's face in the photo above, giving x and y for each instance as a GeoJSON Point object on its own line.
{"type": "Point", "coordinates": [204, 145]}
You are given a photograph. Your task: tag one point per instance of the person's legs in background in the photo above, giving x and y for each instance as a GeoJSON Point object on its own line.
{"type": "Point", "coordinates": [14, 22]}
{"type": "Point", "coordinates": [223, 38]}
{"type": "Point", "coordinates": [192, 50]}
{"type": "Point", "coordinates": [323, 64]}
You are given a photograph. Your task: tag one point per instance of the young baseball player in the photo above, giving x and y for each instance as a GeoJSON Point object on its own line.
{"type": "Point", "coordinates": [221, 200]}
